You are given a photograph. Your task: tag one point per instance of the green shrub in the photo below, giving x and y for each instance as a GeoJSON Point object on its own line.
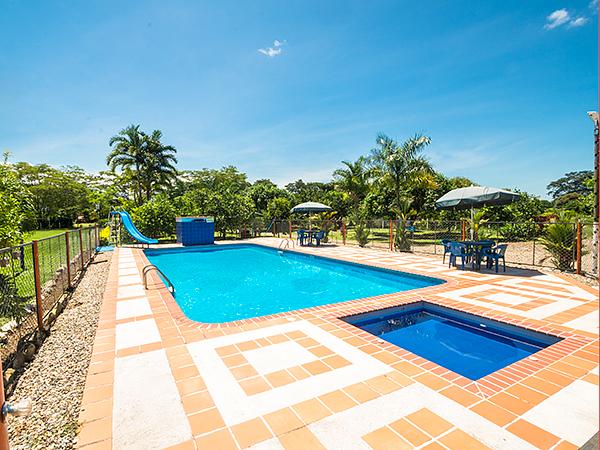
{"type": "Point", "coordinates": [559, 240]}
{"type": "Point", "coordinates": [12, 305]}
{"type": "Point", "coordinates": [155, 218]}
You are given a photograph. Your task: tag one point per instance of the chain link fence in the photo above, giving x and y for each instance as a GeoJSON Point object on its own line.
{"type": "Point", "coordinates": [33, 279]}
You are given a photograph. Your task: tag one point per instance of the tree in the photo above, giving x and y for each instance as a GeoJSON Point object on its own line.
{"type": "Point", "coordinates": [147, 163]}
{"type": "Point", "coordinates": [262, 192]}
{"type": "Point", "coordinates": [354, 179]}
{"type": "Point", "coordinates": [402, 166]}
{"type": "Point", "coordinates": [571, 183]}
{"type": "Point", "coordinates": [14, 206]}
{"type": "Point", "coordinates": [279, 208]}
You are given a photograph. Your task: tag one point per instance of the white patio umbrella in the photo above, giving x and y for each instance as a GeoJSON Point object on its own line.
{"type": "Point", "coordinates": [475, 197]}
{"type": "Point", "coordinates": [311, 208]}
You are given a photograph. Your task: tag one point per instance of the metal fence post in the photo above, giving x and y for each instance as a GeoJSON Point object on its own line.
{"type": "Point", "coordinates": [578, 247]}
{"type": "Point", "coordinates": [68, 249]}
{"type": "Point", "coordinates": [290, 228]}
{"type": "Point", "coordinates": [38, 286]}
{"type": "Point", "coordinates": [81, 247]}
{"type": "Point", "coordinates": [89, 243]}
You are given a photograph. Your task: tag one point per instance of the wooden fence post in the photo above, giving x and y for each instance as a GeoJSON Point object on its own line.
{"type": "Point", "coordinates": [3, 427]}
{"type": "Point", "coordinates": [38, 286]}
{"type": "Point", "coordinates": [290, 228]}
{"type": "Point", "coordinates": [81, 247]}
{"type": "Point", "coordinates": [90, 242]}
{"type": "Point", "coordinates": [578, 247]}
{"type": "Point", "coordinates": [463, 230]}
{"type": "Point", "coordinates": [343, 226]}
{"type": "Point", "coordinates": [391, 236]}
{"type": "Point", "coordinates": [68, 248]}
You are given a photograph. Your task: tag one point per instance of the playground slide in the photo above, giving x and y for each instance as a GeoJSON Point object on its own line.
{"type": "Point", "coordinates": [131, 229]}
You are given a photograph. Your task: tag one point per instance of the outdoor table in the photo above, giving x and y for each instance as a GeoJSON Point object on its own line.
{"type": "Point", "coordinates": [478, 247]}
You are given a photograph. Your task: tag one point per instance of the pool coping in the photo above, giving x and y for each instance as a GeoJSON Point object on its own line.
{"type": "Point", "coordinates": [484, 387]}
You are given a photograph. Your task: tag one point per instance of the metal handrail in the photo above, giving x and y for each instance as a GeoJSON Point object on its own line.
{"type": "Point", "coordinates": [287, 244]}
{"type": "Point", "coordinates": [150, 267]}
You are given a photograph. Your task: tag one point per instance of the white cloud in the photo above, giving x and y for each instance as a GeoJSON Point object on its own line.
{"type": "Point", "coordinates": [562, 17]}
{"type": "Point", "coordinates": [273, 51]}
{"type": "Point", "coordinates": [593, 4]}
{"type": "Point", "coordinates": [580, 21]}
{"type": "Point", "coordinates": [557, 18]}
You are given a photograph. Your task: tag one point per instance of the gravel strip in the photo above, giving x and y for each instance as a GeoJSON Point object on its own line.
{"type": "Point", "coordinates": [55, 379]}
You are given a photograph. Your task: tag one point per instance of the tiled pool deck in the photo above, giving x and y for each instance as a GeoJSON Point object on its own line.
{"type": "Point", "coordinates": [307, 380]}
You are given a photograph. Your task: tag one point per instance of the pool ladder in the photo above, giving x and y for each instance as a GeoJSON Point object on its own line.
{"type": "Point", "coordinates": [150, 267]}
{"type": "Point", "coordinates": [285, 243]}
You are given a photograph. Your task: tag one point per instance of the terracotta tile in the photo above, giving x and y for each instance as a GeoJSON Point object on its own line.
{"type": "Point", "coordinates": [298, 372]}
{"type": "Point", "coordinates": [97, 430]}
{"type": "Point", "coordinates": [429, 422]}
{"type": "Point", "coordinates": [227, 350]}
{"type": "Point", "coordinates": [296, 334]}
{"type": "Point", "coordinates": [459, 395]}
{"type": "Point", "coordinates": [336, 361]}
{"type": "Point", "coordinates": [307, 342]}
{"type": "Point", "coordinates": [196, 402]}
{"type": "Point", "coordinates": [248, 345]}
{"type": "Point", "coordinates": [221, 440]}
{"type": "Point", "coordinates": [316, 367]}
{"type": "Point", "coordinates": [102, 445]}
{"type": "Point", "coordinates": [533, 434]}
{"type": "Point", "coordinates": [245, 371]}
{"type": "Point", "coordinates": [250, 432]}
{"type": "Point", "coordinates": [279, 378]}
{"type": "Point", "coordinates": [360, 392]}
{"type": "Point", "coordinates": [433, 446]}
{"type": "Point", "coordinates": [337, 401]}
{"type": "Point", "coordinates": [187, 445]}
{"type": "Point", "coordinates": [311, 410]}
{"type": "Point", "coordinates": [526, 394]}
{"type": "Point", "coordinates": [320, 351]}
{"type": "Point", "coordinates": [494, 413]}
{"type": "Point", "coordinates": [205, 421]}
{"type": "Point", "coordinates": [432, 381]}
{"type": "Point", "coordinates": [459, 440]}
{"type": "Point", "coordinates": [409, 432]}
{"type": "Point", "coordinates": [185, 372]}
{"type": "Point", "coordinates": [190, 385]}
{"type": "Point", "coordinates": [399, 378]}
{"type": "Point", "coordinates": [301, 439]}
{"type": "Point", "coordinates": [386, 439]}
{"type": "Point", "coordinates": [97, 394]}
{"type": "Point", "coordinates": [235, 360]}
{"type": "Point", "coordinates": [97, 410]}
{"type": "Point", "coordinates": [382, 384]}
{"type": "Point", "coordinates": [564, 445]}
{"type": "Point", "coordinates": [283, 421]}
{"type": "Point", "coordinates": [254, 385]}
{"type": "Point", "coordinates": [513, 404]}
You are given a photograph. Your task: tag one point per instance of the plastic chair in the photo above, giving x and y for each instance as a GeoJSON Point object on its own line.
{"type": "Point", "coordinates": [318, 236]}
{"type": "Point", "coordinates": [497, 254]}
{"type": "Point", "coordinates": [446, 244]}
{"type": "Point", "coordinates": [459, 250]}
{"type": "Point", "coordinates": [301, 236]}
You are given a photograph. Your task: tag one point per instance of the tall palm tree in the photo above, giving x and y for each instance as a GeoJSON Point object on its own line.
{"type": "Point", "coordinates": [147, 163]}
{"type": "Point", "coordinates": [160, 162]}
{"type": "Point", "coordinates": [128, 154]}
{"type": "Point", "coordinates": [402, 165]}
{"type": "Point", "coordinates": [355, 179]}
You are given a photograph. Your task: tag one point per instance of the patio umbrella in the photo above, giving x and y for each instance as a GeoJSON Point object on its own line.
{"type": "Point", "coordinates": [475, 197]}
{"type": "Point", "coordinates": [311, 208]}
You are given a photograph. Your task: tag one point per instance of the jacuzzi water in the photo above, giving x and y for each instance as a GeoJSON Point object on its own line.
{"type": "Point", "coordinates": [238, 281]}
{"type": "Point", "coordinates": [469, 345]}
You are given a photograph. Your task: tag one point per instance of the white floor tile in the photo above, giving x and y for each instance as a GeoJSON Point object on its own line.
{"type": "Point", "coordinates": [132, 334]}
{"type": "Point", "coordinates": [133, 308]}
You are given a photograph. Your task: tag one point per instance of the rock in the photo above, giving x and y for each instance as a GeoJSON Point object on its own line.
{"type": "Point", "coordinates": [19, 361]}
{"type": "Point", "coordinates": [29, 352]}
{"type": "Point", "coordinates": [8, 373]}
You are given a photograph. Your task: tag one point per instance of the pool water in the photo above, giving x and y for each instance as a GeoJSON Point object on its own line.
{"type": "Point", "coordinates": [467, 344]}
{"type": "Point", "coordinates": [231, 282]}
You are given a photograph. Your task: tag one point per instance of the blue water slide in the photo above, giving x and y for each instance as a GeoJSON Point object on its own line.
{"type": "Point", "coordinates": [131, 229]}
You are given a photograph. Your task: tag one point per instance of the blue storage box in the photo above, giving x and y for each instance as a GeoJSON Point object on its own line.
{"type": "Point", "coordinates": [195, 230]}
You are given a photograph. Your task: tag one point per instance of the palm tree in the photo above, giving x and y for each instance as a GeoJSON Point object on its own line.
{"type": "Point", "coordinates": [402, 165]}
{"type": "Point", "coordinates": [144, 160]}
{"type": "Point", "coordinates": [355, 179]}
{"type": "Point", "coordinates": [160, 162]}
{"type": "Point", "coordinates": [404, 168]}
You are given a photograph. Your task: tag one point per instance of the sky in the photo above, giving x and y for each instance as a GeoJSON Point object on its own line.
{"type": "Point", "coordinates": [287, 90]}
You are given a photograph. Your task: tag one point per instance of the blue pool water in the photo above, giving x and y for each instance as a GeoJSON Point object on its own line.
{"type": "Point", "coordinates": [469, 345]}
{"type": "Point", "coordinates": [232, 282]}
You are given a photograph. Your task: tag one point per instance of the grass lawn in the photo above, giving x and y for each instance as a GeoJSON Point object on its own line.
{"type": "Point", "coordinates": [41, 234]}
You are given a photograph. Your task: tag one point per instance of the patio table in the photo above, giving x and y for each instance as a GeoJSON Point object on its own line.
{"type": "Point", "coordinates": [478, 247]}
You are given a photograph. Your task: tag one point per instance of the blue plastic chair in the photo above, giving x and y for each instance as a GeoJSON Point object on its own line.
{"type": "Point", "coordinates": [495, 255]}
{"type": "Point", "coordinates": [459, 250]}
{"type": "Point", "coordinates": [446, 244]}
{"type": "Point", "coordinates": [318, 236]}
{"type": "Point", "coordinates": [301, 236]}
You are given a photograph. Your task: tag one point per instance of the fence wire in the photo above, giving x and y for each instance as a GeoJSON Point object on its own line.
{"type": "Point", "coordinates": [19, 302]}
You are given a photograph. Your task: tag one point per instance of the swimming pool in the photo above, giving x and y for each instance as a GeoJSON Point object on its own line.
{"type": "Point", "coordinates": [238, 281]}
{"type": "Point", "coordinates": [469, 345]}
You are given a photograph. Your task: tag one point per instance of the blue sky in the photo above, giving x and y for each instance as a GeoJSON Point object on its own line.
{"type": "Point", "coordinates": [501, 87]}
